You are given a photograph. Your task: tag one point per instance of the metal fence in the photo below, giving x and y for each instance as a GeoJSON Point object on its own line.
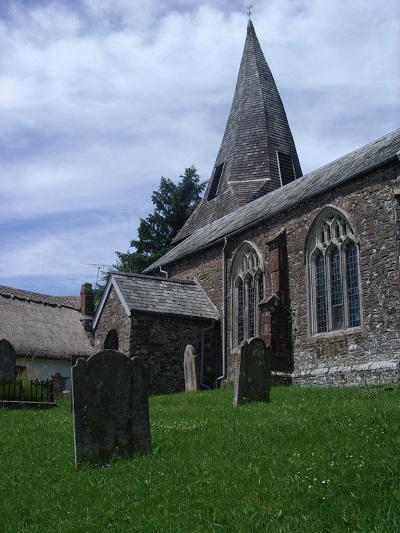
{"type": "Point", "coordinates": [33, 390]}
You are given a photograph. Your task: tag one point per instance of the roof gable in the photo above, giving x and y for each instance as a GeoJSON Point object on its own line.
{"type": "Point", "coordinates": [151, 294]}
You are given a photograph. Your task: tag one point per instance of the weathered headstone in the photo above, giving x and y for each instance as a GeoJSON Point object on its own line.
{"type": "Point", "coordinates": [254, 379]}
{"type": "Point", "coordinates": [110, 406]}
{"type": "Point", "coordinates": [57, 384]}
{"type": "Point", "coordinates": [190, 369]}
{"type": "Point", "coordinates": [8, 359]}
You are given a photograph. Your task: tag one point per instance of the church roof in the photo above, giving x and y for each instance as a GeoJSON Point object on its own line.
{"type": "Point", "coordinates": [348, 167]}
{"type": "Point", "coordinates": [257, 153]}
{"type": "Point", "coordinates": [157, 295]}
{"type": "Point", "coordinates": [38, 325]}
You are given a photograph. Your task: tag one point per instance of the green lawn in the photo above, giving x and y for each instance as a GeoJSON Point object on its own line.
{"type": "Point", "coordinates": [311, 460]}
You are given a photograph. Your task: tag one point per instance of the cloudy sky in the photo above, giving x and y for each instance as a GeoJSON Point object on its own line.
{"type": "Point", "coordinates": [100, 98]}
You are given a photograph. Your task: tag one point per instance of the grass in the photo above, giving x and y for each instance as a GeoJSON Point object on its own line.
{"type": "Point", "coordinates": [311, 460]}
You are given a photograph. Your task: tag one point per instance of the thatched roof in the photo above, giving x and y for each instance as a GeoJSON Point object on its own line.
{"type": "Point", "coordinates": [38, 325]}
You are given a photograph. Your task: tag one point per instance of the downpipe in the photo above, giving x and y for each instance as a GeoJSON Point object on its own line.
{"type": "Point", "coordinates": [163, 271]}
{"type": "Point", "coordinates": [223, 325]}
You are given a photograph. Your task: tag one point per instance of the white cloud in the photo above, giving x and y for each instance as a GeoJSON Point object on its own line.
{"type": "Point", "coordinates": [99, 99]}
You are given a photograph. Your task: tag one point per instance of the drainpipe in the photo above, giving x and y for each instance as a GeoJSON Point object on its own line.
{"type": "Point", "coordinates": [163, 271]}
{"type": "Point", "coordinates": [202, 384]}
{"type": "Point", "coordinates": [223, 329]}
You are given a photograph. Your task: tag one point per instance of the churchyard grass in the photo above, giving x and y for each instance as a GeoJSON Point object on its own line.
{"type": "Point", "coordinates": [311, 460]}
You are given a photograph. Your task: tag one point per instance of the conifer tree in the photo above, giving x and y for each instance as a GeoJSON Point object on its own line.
{"type": "Point", "coordinates": [173, 204]}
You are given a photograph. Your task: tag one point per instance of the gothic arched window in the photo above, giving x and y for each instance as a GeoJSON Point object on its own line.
{"type": "Point", "coordinates": [248, 291]}
{"type": "Point", "coordinates": [333, 273]}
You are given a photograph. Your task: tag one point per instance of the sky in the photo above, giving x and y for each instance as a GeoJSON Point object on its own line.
{"type": "Point", "coordinates": [100, 99]}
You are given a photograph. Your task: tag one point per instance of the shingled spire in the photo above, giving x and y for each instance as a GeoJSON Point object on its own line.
{"type": "Point", "coordinates": [257, 153]}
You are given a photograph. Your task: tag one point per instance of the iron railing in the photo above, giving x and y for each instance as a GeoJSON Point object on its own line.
{"type": "Point", "coordinates": [33, 390]}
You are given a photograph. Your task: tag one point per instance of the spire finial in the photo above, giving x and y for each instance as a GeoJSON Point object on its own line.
{"type": "Point", "coordinates": [249, 10]}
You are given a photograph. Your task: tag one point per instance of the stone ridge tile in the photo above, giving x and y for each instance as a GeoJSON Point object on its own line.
{"type": "Point", "coordinates": [60, 301]}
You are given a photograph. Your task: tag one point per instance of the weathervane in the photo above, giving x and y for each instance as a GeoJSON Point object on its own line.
{"type": "Point", "coordinates": [249, 10]}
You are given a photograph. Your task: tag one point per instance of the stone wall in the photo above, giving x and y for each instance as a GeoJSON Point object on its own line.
{"type": "Point", "coordinates": [161, 341]}
{"type": "Point", "coordinates": [369, 353]}
{"type": "Point", "coordinates": [113, 317]}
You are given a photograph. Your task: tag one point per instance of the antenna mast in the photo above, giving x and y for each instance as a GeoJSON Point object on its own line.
{"type": "Point", "coordinates": [98, 266]}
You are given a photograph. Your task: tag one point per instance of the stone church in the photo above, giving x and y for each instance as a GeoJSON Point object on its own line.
{"type": "Point", "coordinates": [308, 263]}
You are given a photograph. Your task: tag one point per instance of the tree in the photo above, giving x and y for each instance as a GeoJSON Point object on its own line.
{"type": "Point", "coordinates": [173, 204]}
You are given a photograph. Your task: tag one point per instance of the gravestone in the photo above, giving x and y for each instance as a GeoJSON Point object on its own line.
{"type": "Point", "coordinates": [190, 369]}
{"type": "Point", "coordinates": [8, 359]}
{"type": "Point", "coordinates": [57, 384]}
{"type": "Point", "coordinates": [110, 408]}
{"type": "Point", "coordinates": [254, 380]}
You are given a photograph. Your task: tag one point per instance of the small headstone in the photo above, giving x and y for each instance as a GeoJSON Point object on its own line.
{"type": "Point", "coordinates": [8, 359]}
{"type": "Point", "coordinates": [190, 369]}
{"type": "Point", "coordinates": [110, 407]}
{"type": "Point", "coordinates": [254, 379]}
{"type": "Point", "coordinates": [57, 384]}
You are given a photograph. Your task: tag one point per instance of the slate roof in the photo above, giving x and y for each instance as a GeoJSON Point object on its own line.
{"type": "Point", "coordinates": [152, 294]}
{"type": "Point", "coordinates": [256, 129]}
{"type": "Point", "coordinates": [38, 325]}
{"type": "Point", "coordinates": [351, 166]}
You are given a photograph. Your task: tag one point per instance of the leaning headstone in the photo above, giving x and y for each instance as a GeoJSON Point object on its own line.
{"type": "Point", "coordinates": [254, 379]}
{"type": "Point", "coordinates": [190, 369]}
{"type": "Point", "coordinates": [8, 359]}
{"type": "Point", "coordinates": [110, 407]}
{"type": "Point", "coordinates": [57, 384]}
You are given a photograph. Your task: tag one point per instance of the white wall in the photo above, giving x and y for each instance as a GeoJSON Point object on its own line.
{"type": "Point", "coordinates": [45, 368]}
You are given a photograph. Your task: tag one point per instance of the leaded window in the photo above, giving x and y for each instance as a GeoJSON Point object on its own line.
{"type": "Point", "coordinates": [251, 309]}
{"type": "Point", "coordinates": [240, 314]}
{"type": "Point", "coordinates": [333, 267]}
{"type": "Point", "coordinates": [248, 291]}
{"type": "Point", "coordinates": [320, 293]}
{"type": "Point", "coordinates": [353, 289]}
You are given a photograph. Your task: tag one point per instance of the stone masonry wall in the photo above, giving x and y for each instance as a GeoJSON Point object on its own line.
{"type": "Point", "coordinates": [113, 317]}
{"type": "Point", "coordinates": [369, 353]}
{"type": "Point", "coordinates": [161, 341]}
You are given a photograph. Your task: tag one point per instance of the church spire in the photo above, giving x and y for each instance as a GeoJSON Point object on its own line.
{"type": "Point", "coordinates": [257, 153]}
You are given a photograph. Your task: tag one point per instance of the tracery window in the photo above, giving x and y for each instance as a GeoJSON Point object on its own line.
{"type": "Point", "coordinates": [248, 291]}
{"type": "Point", "coordinates": [333, 272]}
